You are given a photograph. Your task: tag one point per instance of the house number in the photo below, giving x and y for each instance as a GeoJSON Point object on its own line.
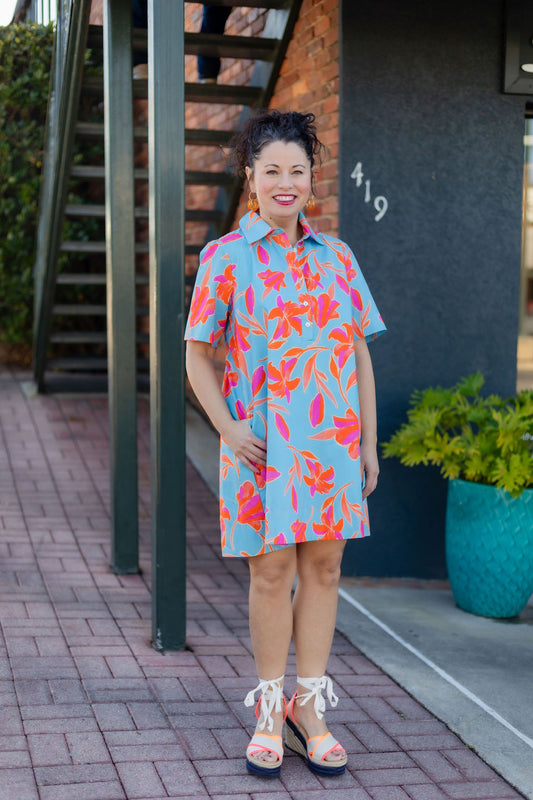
{"type": "Point", "coordinates": [380, 203]}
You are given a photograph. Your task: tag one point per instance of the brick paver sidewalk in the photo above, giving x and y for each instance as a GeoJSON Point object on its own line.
{"type": "Point", "coordinates": [89, 711]}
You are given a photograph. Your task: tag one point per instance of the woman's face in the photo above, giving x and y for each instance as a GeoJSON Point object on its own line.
{"type": "Point", "coordinates": [281, 179]}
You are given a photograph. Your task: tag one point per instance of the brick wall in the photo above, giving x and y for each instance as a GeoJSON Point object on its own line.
{"type": "Point", "coordinates": [97, 12]}
{"type": "Point", "coordinates": [309, 81]}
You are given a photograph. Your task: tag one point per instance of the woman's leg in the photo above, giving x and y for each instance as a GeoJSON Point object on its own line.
{"type": "Point", "coordinates": [271, 580]}
{"type": "Point", "coordinates": [315, 613]}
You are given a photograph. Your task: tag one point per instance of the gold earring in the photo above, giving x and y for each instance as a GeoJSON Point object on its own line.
{"type": "Point", "coordinates": [253, 204]}
{"type": "Point", "coordinates": [310, 203]}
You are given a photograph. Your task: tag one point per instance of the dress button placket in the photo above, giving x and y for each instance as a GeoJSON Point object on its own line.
{"type": "Point", "coordinates": [308, 331]}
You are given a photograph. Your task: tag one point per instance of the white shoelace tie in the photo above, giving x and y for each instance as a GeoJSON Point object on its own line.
{"type": "Point", "coordinates": [271, 700]}
{"type": "Point", "coordinates": [315, 687]}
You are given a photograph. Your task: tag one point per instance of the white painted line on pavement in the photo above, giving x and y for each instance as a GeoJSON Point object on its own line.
{"type": "Point", "coordinates": [475, 699]}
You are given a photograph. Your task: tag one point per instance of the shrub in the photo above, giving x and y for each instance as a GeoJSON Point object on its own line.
{"type": "Point", "coordinates": [25, 59]}
{"type": "Point", "coordinates": [480, 439]}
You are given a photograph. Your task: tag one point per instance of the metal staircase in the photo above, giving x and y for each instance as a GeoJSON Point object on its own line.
{"type": "Point", "coordinates": [71, 332]}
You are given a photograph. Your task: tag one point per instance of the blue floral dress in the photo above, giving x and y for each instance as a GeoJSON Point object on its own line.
{"type": "Point", "coordinates": [289, 316]}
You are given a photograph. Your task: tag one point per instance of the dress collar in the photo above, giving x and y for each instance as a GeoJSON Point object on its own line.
{"type": "Point", "coordinates": [255, 228]}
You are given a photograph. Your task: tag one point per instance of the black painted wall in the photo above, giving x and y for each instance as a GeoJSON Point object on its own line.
{"type": "Point", "coordinates": [423, 112]}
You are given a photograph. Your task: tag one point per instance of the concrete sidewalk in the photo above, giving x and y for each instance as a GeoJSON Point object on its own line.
{"type": "Point", "coordinates": [89, 711]}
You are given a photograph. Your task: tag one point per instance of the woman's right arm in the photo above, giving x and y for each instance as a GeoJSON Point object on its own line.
{"type": "Point", "coordinates": [237, 434]}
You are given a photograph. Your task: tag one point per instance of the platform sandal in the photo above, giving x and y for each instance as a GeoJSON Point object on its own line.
{"type": "Point", "coordinates": [271, 700]}
{"type": "Point", "coordinates": [314, 749]}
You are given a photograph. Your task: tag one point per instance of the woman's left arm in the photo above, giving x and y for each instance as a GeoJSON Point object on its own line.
{"type": "Point", "coordinates": [367, 417]}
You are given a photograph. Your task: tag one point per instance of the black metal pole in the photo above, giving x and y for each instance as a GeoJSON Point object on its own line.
{"type": "Point", "coordinates": [120, 254]}
{"type": "Point", "coordinates": [166, 143]}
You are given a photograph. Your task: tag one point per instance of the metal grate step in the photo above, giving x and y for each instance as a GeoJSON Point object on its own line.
{"type": "Point", "coordinates": [96, 247]}
{"type": "Point", "coordinates": [259, 48]}
{"type": "Point", "coordinates": [201, 137]}
{"type": "Point", "coordinates": [223, 93]}
{"type": "Point", "coordinates": [92, 279]}
{"type": "Point", "coordinates": [89, 337]}
{"type": "Point", "coordinates": [90, 310]}
{"type": "Point", "coordinates": [192, 177]}
{"type": "Point", "coordinates": [98, 211]}
{"type": "Point", "coordinates": [86, 363]}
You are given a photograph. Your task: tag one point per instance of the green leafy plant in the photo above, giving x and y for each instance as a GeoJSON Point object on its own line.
{"type": "Point", "coordinates": [25, 62]}
{"type": "Point", "coordinates": [25, 58]}
{"type": "Point", "coordinates": [481, 439]}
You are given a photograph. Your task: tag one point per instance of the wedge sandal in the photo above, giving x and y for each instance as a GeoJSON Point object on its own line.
{"type": "Point", "coordinates": [314, 749]}
{"type": "Point", "coordinates": [270, 700]}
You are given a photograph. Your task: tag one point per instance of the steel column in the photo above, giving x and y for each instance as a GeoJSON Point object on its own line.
{"type": "Point", "coordinates": [166, 140]}
{"type": "Point", "coordinates": [120, 257]}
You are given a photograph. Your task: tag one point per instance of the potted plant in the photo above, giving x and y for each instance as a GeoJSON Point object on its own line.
{"type": "Point", "coordinates": [484, 447]}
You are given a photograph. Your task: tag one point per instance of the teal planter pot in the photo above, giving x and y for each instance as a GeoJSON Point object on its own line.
{"type": "Point", "coordinates": [489, 548]}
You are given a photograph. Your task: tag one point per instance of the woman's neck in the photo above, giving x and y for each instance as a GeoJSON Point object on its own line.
{"type": "Point", "coordinates": [291, 227]}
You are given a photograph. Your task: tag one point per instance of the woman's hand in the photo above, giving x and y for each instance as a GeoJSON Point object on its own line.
{"type": "Point", "coordinates": [247, 447]}
{"type": "Point", "coordinates": [369, 468]}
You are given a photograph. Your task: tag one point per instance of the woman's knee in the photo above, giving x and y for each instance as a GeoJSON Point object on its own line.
{"type": "Point", "coordinates": [273, 572]}
{"type": "Point", "coordinates": [320, 565]}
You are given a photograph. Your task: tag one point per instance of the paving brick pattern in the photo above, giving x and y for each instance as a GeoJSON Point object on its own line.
{"type": "Point", "coordinates": [89, 711]}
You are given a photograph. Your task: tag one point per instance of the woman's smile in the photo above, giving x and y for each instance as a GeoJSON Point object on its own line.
{"type": "Point", "coordinates": [285, 199]}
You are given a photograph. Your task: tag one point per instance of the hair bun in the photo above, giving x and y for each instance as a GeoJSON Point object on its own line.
{"type": "Point", "coordinates": [275, 126]}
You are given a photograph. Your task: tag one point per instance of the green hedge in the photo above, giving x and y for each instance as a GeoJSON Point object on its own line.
{"type": "Point", "coordinates": [25, 59]}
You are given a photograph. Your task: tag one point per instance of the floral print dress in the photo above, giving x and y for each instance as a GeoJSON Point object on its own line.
{"type": "Point", "coordinates": [289, 316]}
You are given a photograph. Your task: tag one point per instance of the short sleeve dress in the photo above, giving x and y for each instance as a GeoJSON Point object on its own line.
{"type": "Point", "coordinates": [289, 316]}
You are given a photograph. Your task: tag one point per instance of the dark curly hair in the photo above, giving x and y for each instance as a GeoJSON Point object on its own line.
{"type": "Point", "coordinates": [274, 126]}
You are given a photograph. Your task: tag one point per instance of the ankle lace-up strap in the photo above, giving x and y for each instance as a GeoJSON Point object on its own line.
{"type": "Point", "coordinates": [315, 687]}
{"type": "Point", "coordinates": [271, 700]}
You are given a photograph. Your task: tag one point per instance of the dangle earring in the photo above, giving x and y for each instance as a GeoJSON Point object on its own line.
{"type": "Point", "coordinates": [253, 204]}
{"type": "Point", "coordinates": [310, 204]}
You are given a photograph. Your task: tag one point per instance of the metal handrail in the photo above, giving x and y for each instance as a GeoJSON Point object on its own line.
{"type": "Point", "coordinates": [67, 72]}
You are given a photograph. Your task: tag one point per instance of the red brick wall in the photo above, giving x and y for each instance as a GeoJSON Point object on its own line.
{"type": "Point", "coordinates": [309, 81]}
{"type": "Point", "coordinates": [97, 12]}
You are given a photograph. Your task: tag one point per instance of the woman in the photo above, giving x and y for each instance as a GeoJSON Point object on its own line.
{"type": "Point", "coordinates": [297, 419]}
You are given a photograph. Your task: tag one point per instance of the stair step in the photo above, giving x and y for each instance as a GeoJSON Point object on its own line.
{"type": "Point", "coordinates": [97, 247]}
{"type": "Point", "coordinates": [191, 215]}
{"type": "Point", "coordinates": [223, 46]}
{"type": "Point", "coordinates": [202, 137]}
{"type": "Point", "coordinates": [95, 130]}
{"type": "Point", "coordinates": [199, 178]}
{"type": "Point", "coordinates": [89, 172]}
{"type": "Point", "coordinates": [82, 309]}
{"type": "Point", "coordinates": [89, 337]}
{"type": "Point", "coordinates": [86, 363]}
{"type": "Point", "coordinates": [214, 45]}
{"type": "Point", "coordinates": [85, 383]}
{"type": "Point", "coordinates": [224, 93]}
{"type": "Point", "coordinates": [141, 248]}
{"type": "Point", "coordinates": [90, 210]}
{"type": "Point", "coordinates": [204, 215]}
{"type": "Point", "coordinates": [92, 279]}
{"type": "Point", "coordinates": [90, 310]}
{"type": "Point", "coordinates": [195, 177]}
{"type": "Point", "coordinates": [208, 137]}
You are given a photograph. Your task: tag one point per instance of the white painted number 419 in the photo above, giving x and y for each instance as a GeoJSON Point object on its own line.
{"type": "Point", "coordinates": [380, 203]}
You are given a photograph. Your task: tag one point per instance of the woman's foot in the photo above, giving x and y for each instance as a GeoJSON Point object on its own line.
{"type": "Point", "coordinates": [307, 733]}
{"type": "Point", "coordinates": [305, 716]}
{"type": "Point", "coordinates": [264, 754]}
{"type": "Point", "coordinates": [278, 718]}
